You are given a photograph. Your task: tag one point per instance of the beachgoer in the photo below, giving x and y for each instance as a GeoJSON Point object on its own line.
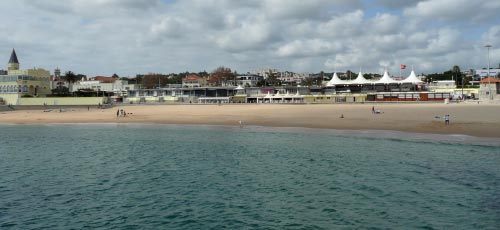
{"type": "Point", "coordinates": [117, 113]}
{"type": "Point", "coordinates": [124, 113]}
{"type": "Point", "coordinates": [373, 109]}
{"type": "Point", "coordinates": [447, 119]}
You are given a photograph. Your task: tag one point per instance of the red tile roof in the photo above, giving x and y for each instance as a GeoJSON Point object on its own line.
{"type": "Point", "coordinates": [490, 79]}
{"type": "Point", "coordinates": [192, 77]}
{"type": "Point", "coordinates": [103, 79]}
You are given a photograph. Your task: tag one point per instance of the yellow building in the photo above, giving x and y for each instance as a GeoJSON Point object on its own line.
{"type": "Point", "coordinates": [23, 83]}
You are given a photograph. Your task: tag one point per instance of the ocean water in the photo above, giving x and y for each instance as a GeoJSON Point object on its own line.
{"type": "Point", "coordinates": [186, 177]}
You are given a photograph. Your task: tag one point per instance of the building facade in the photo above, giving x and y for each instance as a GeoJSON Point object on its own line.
{"type": "Point", "coordinates": [489, 89]}
{"type": "Point", "coordinates": [23, 83]}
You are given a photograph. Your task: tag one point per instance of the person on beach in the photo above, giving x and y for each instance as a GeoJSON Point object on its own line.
{"type": "Point", "coordinates": [447, 119]}
{"type": "Point", "coordinates": [117, 113]}
{"type": "Point", "coordinates": [373, 109]}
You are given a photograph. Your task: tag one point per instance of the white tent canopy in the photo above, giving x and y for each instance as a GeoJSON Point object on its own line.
{"type": "Point", "coordinates": [361, 80]}
{"type": "Point", "coordinates": [386, 79]}
{"type": "Point", "coordinates": [412, 79]}
{"type": "Point", "coordinates": [336, 81]}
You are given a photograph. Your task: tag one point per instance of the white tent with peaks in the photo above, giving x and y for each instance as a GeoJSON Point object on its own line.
{"type": "Point", "coordinates": [336, 81]}
{"type": "Point", "coordinates": [413, 79]}
{"type": "Point", "coordinates": [386, 79]}
{"type": "Point", "coordinates": [360, 80]}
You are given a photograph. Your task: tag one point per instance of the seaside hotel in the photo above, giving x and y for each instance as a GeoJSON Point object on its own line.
{"type": "Point", "coordinates": [16, 83]}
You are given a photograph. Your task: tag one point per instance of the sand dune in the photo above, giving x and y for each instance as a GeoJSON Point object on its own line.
{"type": "Point", "coordinates": [481, 120]}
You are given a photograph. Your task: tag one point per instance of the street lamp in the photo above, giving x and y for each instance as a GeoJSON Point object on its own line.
{"type": "Point", "coordinates": [488, 46]}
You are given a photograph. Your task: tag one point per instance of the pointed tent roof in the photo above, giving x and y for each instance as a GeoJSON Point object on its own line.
{"type": "Point", "coordinates": [336, 81]}
{"type": "Point", "coordinates": [360, 80]}
{"type": "Point", "coordinates": [412, 79]}
{"type": "Point", "coordinates": [13, 57]}
{"type": "Point", "coordinates": [386, 79]}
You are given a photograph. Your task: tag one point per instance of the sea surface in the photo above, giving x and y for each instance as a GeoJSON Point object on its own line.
{"type": "Point", "coordinates": [116, 176]}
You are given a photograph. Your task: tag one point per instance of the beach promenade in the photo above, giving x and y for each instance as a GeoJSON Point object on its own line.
{"type": "Point", "coordinates": [480, 120]}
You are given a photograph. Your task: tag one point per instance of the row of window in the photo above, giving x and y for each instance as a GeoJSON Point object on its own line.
{"type": "Point", "coordinates": [13, 88]}
{"type": "Point", "coordinates": [15, 78]}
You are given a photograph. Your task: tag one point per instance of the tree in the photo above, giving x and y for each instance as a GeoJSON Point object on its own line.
{"type": "Point", "coordinates": [151, 81]}
{"type": "Point", "coordinates": [348, 75]}
{"type": "Point", "coordinates": [222, 76]}
{"type": "Point", "coordinates": [457, 74]}
{"type": "Point", "coordinates": [70, 77]}
{"type": "Point", "coordinates": [272, 79]}
{"type": "Point", "coordinates": [115, 76]}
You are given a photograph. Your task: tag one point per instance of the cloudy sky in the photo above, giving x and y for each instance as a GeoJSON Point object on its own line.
{"type": "Point", "coordinates": [102, 37]}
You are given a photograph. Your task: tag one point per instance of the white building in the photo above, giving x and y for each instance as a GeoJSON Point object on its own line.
{"type": "Point", "coordinates": [117, 87]}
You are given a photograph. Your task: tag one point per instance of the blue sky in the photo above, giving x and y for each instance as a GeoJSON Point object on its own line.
{"type": "Point", "coordinates": [127, 37]}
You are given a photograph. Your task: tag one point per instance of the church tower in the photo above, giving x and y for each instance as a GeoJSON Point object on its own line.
{"type": "Point", "coordinates": [13, 62]}
{"type": "Point", "coordinates": [57, 74]}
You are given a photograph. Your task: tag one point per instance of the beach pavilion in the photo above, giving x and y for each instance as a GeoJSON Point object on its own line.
{"type": "Point", "coordinates": [384, 84]}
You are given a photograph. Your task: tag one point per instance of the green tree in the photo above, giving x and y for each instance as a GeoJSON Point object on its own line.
{"type": "Point", "coordinates": [458, 76]}
{"type": "Point", "coordinates": [349, 75]}
{"type": "Point", "coordinates": [70, 77]}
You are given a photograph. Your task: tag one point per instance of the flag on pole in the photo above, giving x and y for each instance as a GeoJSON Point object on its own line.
{"type": "Point", "coordinates": [403, 66]}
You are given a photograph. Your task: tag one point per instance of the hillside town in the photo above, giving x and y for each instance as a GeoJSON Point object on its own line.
{"type": "Point", "coordinates": [38, 86]}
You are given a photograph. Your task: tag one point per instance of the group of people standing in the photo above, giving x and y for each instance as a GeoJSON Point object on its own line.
{"type": "Point", "coordinates": [121, 113]}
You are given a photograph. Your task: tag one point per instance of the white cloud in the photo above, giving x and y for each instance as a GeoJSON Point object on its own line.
{"type": "Point", "coordinates": [345, 25]}
{"type": "Point", "coordinates": [248, 34]}
{"type": "Point", "coordinates": [314, 47]}
{"type": "Point", "coordinates": [454, 10]}
{"type": "Point", "coordinates": [167, 26]}
{"type": "Point", "coordinates": [128, 36]}
{"type": "Point", "coordinates": [385, 23]}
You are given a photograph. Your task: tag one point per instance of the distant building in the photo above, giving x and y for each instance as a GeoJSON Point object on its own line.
{"type": "Point", "coordinates": [193, 81]}
{"type": "Point", "coordinates": [103, 84]}
{"type": "Point", "coordinates": [23, 83]}
{"type": "Point", "coordinates": [489, 89]}
{"type": "Point", "coordinates": [248, 80]}
{"type": "Point", "coordinates": [482, 73]}
{"type": "Point", "coordinates": [103, 79]}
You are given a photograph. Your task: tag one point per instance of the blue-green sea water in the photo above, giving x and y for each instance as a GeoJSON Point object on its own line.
{"type": "Point", "coordinates": [185, 177]}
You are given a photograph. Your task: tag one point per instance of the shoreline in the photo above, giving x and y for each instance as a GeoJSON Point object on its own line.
{"type": "Point", "coordinates": [466, 119]}
{"type": "Point", "coordinates": [461, 139]}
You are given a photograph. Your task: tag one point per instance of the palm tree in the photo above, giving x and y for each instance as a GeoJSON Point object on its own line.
{"type": "Point", "coordinates": [70, 77]}
{"type": "Point", "coordinates": [457, 73]}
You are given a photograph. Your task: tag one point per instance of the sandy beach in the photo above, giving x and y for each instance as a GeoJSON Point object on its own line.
{"type": "Point", "coordinates": [481, 120]}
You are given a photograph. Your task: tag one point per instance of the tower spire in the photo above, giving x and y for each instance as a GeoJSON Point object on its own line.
{"type": "Point", "coordinates": [13, 62]}
{"type": "Point", "coordinates": [13, 57]}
